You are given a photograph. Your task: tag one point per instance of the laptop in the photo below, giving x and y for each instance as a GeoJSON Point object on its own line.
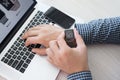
{"type": "Point", "coordinates": [17, 62]}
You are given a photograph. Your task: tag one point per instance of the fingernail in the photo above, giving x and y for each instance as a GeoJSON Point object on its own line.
{"type": "Point", "coordinates": [26, 44]}
{"type": "Point", "coordinates": [22, 36]}
{"type": "Point", "coordinates": [33, 50]}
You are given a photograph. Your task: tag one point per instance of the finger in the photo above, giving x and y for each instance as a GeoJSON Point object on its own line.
{"type": "Point", "coordinates": [35, 28]}
{"type": "Point", "coordinates": [40, 51]}
{"type": "Point", "coordinates": [38, 27]}
{"type": "Point", "coordinates": [54, 46]}
{"type": "Point", "coordinates": [50, 53]}
{"type": "Point", "coordinates": [30, 33]}
{"type": "Point", "coordinates": [61, 41]}
{"type": "Point", "coordinates": [33, 40]}
{"type": "Point", "coordinates": [78, 38]}
{"type": "Point", "coordinates": [50, 60]}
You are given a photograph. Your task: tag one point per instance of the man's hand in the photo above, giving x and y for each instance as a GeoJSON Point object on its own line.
{"type": "Point", "coordinates": [41, 34]}
{"type": "Point", "coordinates": [68, 59]}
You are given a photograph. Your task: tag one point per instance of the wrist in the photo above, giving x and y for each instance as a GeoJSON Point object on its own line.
{"type": "Point", "coordinates": [80, 69]}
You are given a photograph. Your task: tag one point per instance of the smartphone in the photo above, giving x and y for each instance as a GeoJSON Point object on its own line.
{"type": "Point", "coordinates": [60, 18]}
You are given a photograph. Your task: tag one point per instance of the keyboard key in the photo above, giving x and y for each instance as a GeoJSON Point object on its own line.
{"type": "Point", "coordinates": [17, 44]}
{"type": "Point", "coordinates": [6, 61]}
{"type": "Point", "coordinates": [20, 40]}
{"type": "Point", "coordinates": [27, 53]}
{"type": "Point", "coordinates": [38, 46]}
{"type": "Point", "coordinates": [38, 23]}
{"type": "Point", "coordinates": [9, 56]}
{"type": "Point", "coordinates": [22, 70]}
{"type": "Point", "coordinates": [29, 48]}
{"type": "Point", "coordinates": [6, 54]}
{"type": "Point", "coordinates": [17, 52]}
{"type": "Point", "coordinates": [22, 44]}
{"type": "Point", "coordinates": [20, 48]}
{"type": "Point", "coordinates": [28, 61]}
{"type": "Point", "coordinates": [33, 23]}
{"type": "Point", "coordinates": [12, 52]}
{"type": "Point", "coordinates": [9, 50]}
{"type": "Point", "coordinates": [24, 58]}
{"type": "Point", "coordinates": [25, 65]}
{"type": "Point", "coordinates": [19, 65]}
{"type": "Point", "coordinates": [31, 56]}
{"type": "Point", "coordinates": [15, 63]}
{"type": "Point", "coordinates": [14, 56]}
{"type": "Point", "coordinates": [22, 53]}
{"type": "Point", "coordinates": [3, 59]}
{"type": "Point", "coordinates": [10, 62]}
{"type": "Point", "coordinates": [15, 48]}
{"type": "Point", "coordinates": [19, 57]}
{"type": "Point", "coordinates": [24, 49]}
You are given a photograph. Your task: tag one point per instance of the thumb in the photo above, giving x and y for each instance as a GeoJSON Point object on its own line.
{"type": "Point", "coordinates": [61, 41]}
{"type": "Point", "coordinates": [41, 51]}
{"type": "Point", "coordinates": [78, 38]}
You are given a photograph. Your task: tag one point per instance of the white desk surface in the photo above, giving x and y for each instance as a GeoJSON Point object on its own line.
{"type": "Point", "coordinates": [104, 60]}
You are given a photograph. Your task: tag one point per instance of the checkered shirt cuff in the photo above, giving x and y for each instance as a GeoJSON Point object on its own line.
{"type": "Point", "coordinates": [84, 75]}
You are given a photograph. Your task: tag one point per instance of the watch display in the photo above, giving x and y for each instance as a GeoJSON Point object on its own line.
{"type": "Point", "coordinates": [10, 4]}
{"type": "Point", "coordinates": [3, 18]}
{"type": "Point", "coordinates": [70, 38]}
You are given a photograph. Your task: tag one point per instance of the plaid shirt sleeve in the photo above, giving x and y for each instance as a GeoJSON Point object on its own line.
{"type": "Point", "coordinates": [100, 31]}
{"type": "Point", "coordinates": [84, 75]}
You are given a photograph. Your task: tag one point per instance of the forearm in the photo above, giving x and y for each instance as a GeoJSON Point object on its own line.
{"type": "Point", "coordinates": [100, 31]}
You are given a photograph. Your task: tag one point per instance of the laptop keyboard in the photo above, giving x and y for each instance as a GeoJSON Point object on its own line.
{"type": "Point", "coordinates": [19, 56]}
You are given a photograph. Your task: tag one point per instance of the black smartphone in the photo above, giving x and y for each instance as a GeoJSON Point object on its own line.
{"type": "Point", "coordinates": [60, 18]}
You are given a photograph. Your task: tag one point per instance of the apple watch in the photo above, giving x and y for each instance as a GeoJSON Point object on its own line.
{"type": "Point", "coordinates": [70, 38]}
{"type": "Point", "coordinates": [12, 5]}
{"type": "Point", "coordinates": [3, 18]}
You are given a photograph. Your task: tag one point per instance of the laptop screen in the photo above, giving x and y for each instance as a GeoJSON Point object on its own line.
{"type": "Point", "coordinates": [11, 11]}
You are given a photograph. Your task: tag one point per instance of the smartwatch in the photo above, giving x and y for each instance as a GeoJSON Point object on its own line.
{"type": "Point", "coordinates": [12, 5]}
{"type": "Point", "coordinates": [70, 38]}
{"type": "Point", "coordinates": [3, 18]}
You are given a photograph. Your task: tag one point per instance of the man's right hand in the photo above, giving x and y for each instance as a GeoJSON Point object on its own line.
{"type": "Point", "coordinates": [41, 34]}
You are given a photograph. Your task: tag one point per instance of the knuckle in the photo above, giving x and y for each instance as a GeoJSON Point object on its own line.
{"type": "Point", "coordinates": [30, 29]}
{"type": "Point", "coordinates": [59, 58]}
{"type": "Point", "coordinates": [27, 33]}
{"type": "Point", "coordinates": [47, 50]}
{"type": "Point", "coordinates": [28, 40]}
{"type": "Point", "coordinates": [64, 53]}
{"type": "Point", "coordinates": [52, 43]}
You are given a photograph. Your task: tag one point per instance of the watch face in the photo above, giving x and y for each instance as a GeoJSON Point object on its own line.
{"type": "Point", "coordinates": [7, 4]}
{"type": "Point", "coordinates": [69, 34]}
{"type": "Point", "coordinates": [1, 14]}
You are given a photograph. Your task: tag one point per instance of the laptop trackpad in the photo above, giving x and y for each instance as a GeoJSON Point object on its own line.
{"type": "Point", "coordinates": [40, 69]}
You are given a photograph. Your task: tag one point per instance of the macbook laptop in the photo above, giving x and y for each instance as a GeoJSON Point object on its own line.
{"type": "Point", "coordinates": [17, 62]}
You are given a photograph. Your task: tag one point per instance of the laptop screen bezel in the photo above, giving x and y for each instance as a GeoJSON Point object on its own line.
{"type": "Point", "coordinates": [17, 26]}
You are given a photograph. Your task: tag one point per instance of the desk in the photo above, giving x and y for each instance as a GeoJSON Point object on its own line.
{"type": "Point", "coordinates": [103, 59]}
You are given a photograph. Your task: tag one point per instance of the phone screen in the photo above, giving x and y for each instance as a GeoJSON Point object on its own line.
{"type": "Point", "coordinates": [59, 18]}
